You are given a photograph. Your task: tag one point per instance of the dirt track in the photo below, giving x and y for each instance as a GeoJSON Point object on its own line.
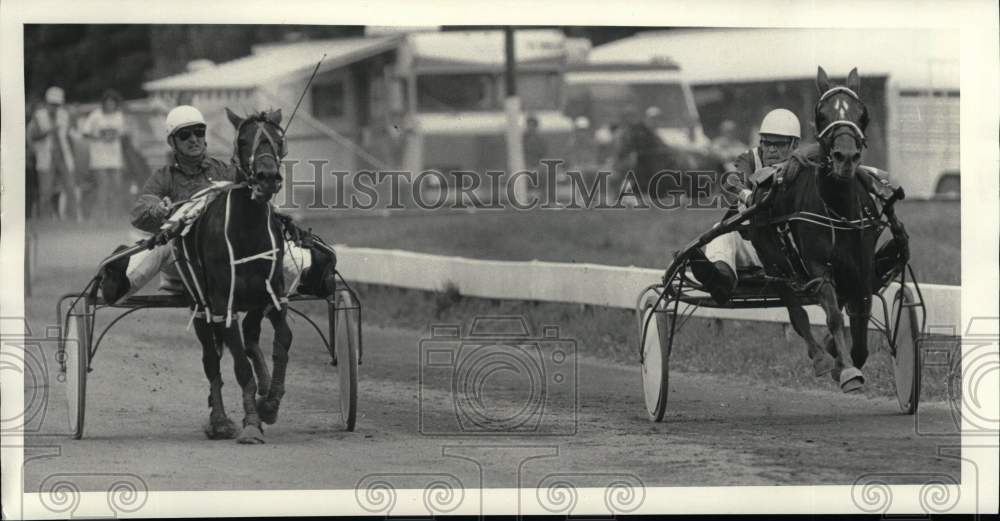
{"type": "Point", "coordinates": [147, 401]}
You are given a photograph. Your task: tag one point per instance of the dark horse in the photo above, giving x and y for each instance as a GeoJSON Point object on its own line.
{"type": "Point", "coordinates": [236, 250]}
{"type": "Point", "coordinates": [830, 220]}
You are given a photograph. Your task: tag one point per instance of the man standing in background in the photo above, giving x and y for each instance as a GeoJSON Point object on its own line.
{"type": "Point", "coordinates": [727, 144]}
{"type": "Point", "coordinates": [104, 129]}
{"type": "Point", "coordinates": [534, 145]}
{"type": "Point", "coordinates": [49, 133]}
{"type": "Point", "coordinates": [534, 151]}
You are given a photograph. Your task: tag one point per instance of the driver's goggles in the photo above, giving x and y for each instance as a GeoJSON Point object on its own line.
{"type": "Point", "coordinates": [185, 133]}
{"type": "Point", "coordinates": [779, 143]}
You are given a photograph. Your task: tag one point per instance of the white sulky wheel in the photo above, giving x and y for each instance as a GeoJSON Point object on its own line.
{"type": "Point", "coordinates": [75, 350]}
{"type": "Point", "coordinates": [906, 362]}
{"type": "Point", "coordinates": [346, 341]}
{"type": "Point", "coordinates": [656, 345]}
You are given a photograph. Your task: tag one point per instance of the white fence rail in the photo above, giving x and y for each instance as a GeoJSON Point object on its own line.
{"type": "Point", "coordinates": [594, 284]}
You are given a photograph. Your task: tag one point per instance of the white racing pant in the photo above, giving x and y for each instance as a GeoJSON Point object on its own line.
{"type": "Point", "coordinates": [735, 251]}
{"type": "Point", "coordinates": [143, 266]}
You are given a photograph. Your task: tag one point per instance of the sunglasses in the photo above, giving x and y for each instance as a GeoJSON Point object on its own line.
{"type": "Point", "coordinates": [185, 133]}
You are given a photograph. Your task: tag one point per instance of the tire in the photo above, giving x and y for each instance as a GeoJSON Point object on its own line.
{"type": "Point", "coordinates": [656, 345]}
{"type": "Point", "coordinates": [346, 341]}
{"type": "Point", "coordinates": [906, 360]}
{"type": "Point", "coordinates": [75, 349]}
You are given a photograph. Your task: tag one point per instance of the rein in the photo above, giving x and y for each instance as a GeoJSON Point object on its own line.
{"type": "Point", "coordinates": [837, 223]}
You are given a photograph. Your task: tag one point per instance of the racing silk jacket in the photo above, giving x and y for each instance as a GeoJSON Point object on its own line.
{"type": "Point", "coordinates": [174, 182]}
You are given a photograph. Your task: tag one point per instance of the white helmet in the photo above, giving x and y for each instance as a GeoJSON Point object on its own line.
{"type": "Point", "coordinates": [55, 96]}
{"type": "Point", "coordinates": [581, 123]}
{"type": "Point", "coordinates": [183, 116]}
{"type": "Point", "coordinates": [781, 122]}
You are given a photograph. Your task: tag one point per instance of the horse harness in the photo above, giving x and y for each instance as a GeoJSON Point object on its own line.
{"type": "Point", "coordinates": [250, 178]}
{"type": "Point", "coordinates": [831, 220]}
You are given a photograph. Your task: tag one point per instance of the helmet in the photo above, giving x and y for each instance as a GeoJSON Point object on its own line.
{"type": "Point", "coordinates": [781, 122]}
{"type": "Point", "coordinates": [581, 123]}
{"type": "Point", "coordinates": [55, 95]}
{"type": "Point", "coordinates": [183, 116]}
{"type": "Point", "coordinates": [653, 112]}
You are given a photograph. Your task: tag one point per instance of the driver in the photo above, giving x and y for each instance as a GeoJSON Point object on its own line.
{"type": "Point", "coordinates": [190, 172]}
{"type": "Point", "coordinates": [716, 269]}
{"type": "Point", "coordinates": [780, 133]}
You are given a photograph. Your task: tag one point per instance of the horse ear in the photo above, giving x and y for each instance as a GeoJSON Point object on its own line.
{"type": "Point", "coordinates": [233, 118]}
{"type": "Point", "coordinates": [822, 81]}
{"type": "Point", "coordinates": [274, 116]}
{"type": "Point", "coordinates": [854, 81]}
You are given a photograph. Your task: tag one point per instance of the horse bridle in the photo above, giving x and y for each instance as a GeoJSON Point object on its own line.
{"type": "Point", "coordinates": [278, 150]}
{"type": "Point", "coordinates": [827, 134]}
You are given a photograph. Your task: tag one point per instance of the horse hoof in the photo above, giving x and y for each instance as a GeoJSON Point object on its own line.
{"type": "Point", "coordinates": [267, 410]}
{"type": "Point", "coordinates": [221, 429]}
{"type": "Point", "coordinates": [851, 380]}
{"type": "Point", "coordinates": [251, 435]}
{"type": "Point", "coordinates": [823, 364]}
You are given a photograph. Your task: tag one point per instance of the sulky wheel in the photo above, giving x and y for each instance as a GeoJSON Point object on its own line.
{"type": "Point", "coordinates": [656, 343]}
{"type": "Point", "coordinates": [346, 341]}
{"type": "Point", "coordinates": [906, 360]}
{"type": "Point", "coordinates": [74, 348]}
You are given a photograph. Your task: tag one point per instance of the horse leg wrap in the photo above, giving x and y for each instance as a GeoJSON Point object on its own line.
{"type": "Point", "coordinates": [278, 378]}
{"type": "Point", "coordinates": [219, 425]}
{"type": "Point", "coordinates": [215, 397]}
{"type": "Point", "coordinates": [268, 407]}
{"type": "Point", "coordinates": [250, 405]}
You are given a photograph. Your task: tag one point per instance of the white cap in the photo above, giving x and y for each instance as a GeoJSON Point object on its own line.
{"type": "Point", "coordinates": [183, 116]}
{"type": "Point", "coordinates": [653, 112]}
{"type": "Point", "coordinates": [781, 122]}
{"type": "Point", "coordinates": [581, 122]}
{"type": "Point", "coordinates": [55, 95]}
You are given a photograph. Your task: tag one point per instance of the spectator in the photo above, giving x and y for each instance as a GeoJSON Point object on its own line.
{"type": "Point", "coordinates": [30, 173]}
{"type": "Point", "coordinates": [727, 144]}
{"type": "Point", "coordinates": [582, 150]}
{"type": "Point", "coordinates": [104, 129]}
{"type": "Point", "coordinates": [638, 137]}
{"type": "Point", "coordinates": [49, 133]}
{"type": "Point", "coordinates": [604, 140]}
{"type": "Point", "coordinates": [533, 144]}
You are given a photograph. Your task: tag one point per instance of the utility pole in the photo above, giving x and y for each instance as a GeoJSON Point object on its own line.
{"type": "Point", "coordinates": [512, 107]}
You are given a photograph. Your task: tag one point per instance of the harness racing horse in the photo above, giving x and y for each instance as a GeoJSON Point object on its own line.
{"type": "Point", "coordinates": [233, 255]}
{"type": "Point", "coordinates": [819, 228]}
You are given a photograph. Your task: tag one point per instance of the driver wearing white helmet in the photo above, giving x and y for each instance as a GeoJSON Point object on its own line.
{"type": "Point", "coordinates": [779, 137]}
{"type": "Point", "coordinates": [191, 171]}
{"type": "Point", "coordinates": [780, 133]}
